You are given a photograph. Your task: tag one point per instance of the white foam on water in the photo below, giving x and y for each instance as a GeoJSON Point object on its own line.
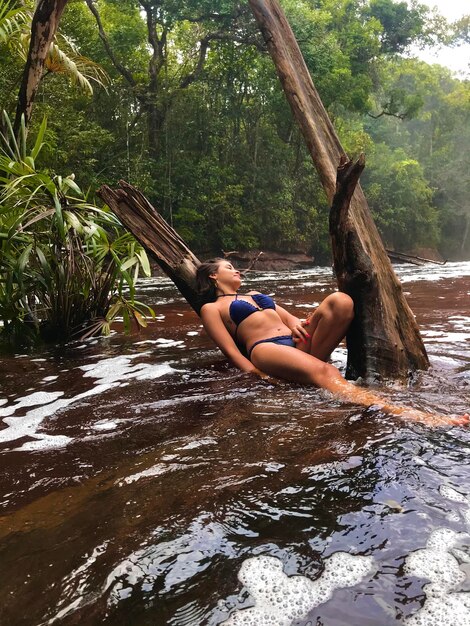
{"type": "Point", "coordinates": [439, 562]}
{"type": "Point", "coordinates": [311, 305]}
{"type": "Point", "coordinates": [432, 272]}
{"type": "Point", "coordinates": [158, 470]}
{"type": "Point", "coordinates": [280, 599]}
{"type": "Point", "coordinates": [452, 610]}
{"type": "Point", "coordinates": [108, 373]}
{"type": "Point", "coordinates": [27, 425]}
{"type": "Point", "coordinates": [155, 470]}
{"type": "Point", "coordinates": [167, 343]}
{"type": "Point", "coordinates": [106, 425]}
{"type": "Point", "coordinates": [120, 368]}
{"type": "Point", "coordinates": [446, 337]}
{"type": "Point", "coordinates": [451, 494]}
{"type": "Point", "coordinates": [39, 397]}
{"type": "Point", "coordinates": [206, 441]}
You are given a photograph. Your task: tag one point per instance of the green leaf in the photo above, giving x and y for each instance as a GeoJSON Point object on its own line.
{"type": "Point", "coordinates": [73, 221]}
{"type": "Point", "coordinates": [144, 262]}
{"type": "Point", "coordinates": [24, 258]}
{"type": "Point", "coordinates": [38, 145]}
{"type": "Point", "coordinates": [69, 182]}
{"type": "Point", "coordinates": [129, 263]}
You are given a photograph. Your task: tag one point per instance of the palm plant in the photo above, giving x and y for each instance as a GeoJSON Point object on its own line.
{"type": "Point", "coordinates": [12, 19]}
{"type": "Point", "coordinates": [67, 268]}
{"type": "Point", "coordinates": [63, 56]}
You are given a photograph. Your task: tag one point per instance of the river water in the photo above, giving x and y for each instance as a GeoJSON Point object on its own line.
{"type": "Point", "coordinates": [146, 482]}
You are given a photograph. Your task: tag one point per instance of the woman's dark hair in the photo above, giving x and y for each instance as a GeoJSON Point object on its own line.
{"type": "Point", "coordinates": [205, 284]}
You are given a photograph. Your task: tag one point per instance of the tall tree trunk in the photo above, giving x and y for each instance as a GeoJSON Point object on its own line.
{"type": "Point", "coordinates": [43, 29]}
{"type": "Point", "coordinates": [386, 336]}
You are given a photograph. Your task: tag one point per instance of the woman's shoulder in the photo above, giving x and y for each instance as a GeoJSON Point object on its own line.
{"type": "Point", "coordinates": [210, 307]}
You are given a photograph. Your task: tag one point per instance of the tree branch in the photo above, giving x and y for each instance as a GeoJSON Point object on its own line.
{"type": "Point", "coordinates": [193, 76]}
{"type": "Point", "coordinates": [400, 116]}
{"type": "Point", "coordinates": [117, 64]}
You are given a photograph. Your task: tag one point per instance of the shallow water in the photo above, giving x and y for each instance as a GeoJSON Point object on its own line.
{"type": "Point", "coordinates": [140, 473]}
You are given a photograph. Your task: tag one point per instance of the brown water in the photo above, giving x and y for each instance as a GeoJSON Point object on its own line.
{"type": "Point", "coordinates": [140, 472]}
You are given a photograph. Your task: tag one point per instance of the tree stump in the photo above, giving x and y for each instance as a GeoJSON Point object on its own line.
{"type": "Point", "coordinates": [377, 341]}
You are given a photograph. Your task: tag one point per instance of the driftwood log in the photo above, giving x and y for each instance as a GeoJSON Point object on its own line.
{"type": "Point", "coordinates": [401, 257]}
{"type": "Point", "coordinates": [162, 242]}
{"type": "Point", "coordinates": [385, 339]}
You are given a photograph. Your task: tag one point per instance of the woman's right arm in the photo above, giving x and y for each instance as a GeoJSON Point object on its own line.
{"type": "Point", "coordinates": [216, 330]}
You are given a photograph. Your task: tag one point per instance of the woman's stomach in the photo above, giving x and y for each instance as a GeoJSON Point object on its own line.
{"type": "Point", "coordinates": [261, 325]}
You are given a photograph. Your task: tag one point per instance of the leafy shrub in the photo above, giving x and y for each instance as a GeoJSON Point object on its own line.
{"type": "Point", "coordinates": [67, 267]}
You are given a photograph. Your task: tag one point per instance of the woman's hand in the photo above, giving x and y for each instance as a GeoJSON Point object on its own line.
{"type": "Point", "coordinates": [300, 333]}
{"type": "Point", "coordinates": [263, 376]}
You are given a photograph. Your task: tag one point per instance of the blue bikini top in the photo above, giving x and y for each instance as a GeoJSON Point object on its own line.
{"type": "Point", "coordinates": [239, 310]}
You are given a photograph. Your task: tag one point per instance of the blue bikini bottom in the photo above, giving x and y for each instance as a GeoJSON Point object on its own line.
{"type": "Point", "coordinates": [282, 340]}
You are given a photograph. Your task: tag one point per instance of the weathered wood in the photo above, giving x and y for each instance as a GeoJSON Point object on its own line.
{"type": "Point", "coordinates": [157, 236]}
{"type": "Point", "coordinates": [370, 347]}
{"type": "Point", "coordinates": [389, 343]}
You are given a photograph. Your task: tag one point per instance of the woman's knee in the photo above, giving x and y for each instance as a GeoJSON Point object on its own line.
{"type": "Point", "coordinates": [341, 305]}
{"type": "Point", "coordinates": [323, 372]}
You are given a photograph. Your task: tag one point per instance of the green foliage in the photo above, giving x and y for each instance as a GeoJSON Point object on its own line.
{"type": "Point", "coordinates": [401, 200]}
{"type": "Point", "coordinates": [212, 143]}
{"type": "Point", "coordinates": [66, 267]}
{"type": "Point", "coordinates": [12, 19]}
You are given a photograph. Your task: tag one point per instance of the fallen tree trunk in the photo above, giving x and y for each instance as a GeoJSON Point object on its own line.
{"type": "Point", "coordinates": [411, 258]}
{"type": "Point", "coordinates": [385, 339]}
{"type": "Point", "coordinates": [159, 238]}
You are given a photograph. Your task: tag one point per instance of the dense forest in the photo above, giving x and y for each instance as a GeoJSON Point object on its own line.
{"type": "Point", "coordinates": [181, 99]}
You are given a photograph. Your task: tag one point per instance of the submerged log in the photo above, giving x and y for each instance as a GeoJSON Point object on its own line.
{"type": "Point", "coordinates": [385, 338]}
{"type": "Point", "coordinates": [401, 257]}
{"type": "Point", "coordinates": [161, 241]}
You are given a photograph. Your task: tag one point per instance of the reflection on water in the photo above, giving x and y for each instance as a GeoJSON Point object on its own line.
{"type": "Point", "coordinates": [147, 482]}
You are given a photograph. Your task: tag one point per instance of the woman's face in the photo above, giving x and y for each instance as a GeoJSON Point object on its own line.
{"type": "Point", "coordinates": [227, 275]}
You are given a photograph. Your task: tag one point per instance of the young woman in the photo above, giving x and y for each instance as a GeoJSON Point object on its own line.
{"type": "Point", "coordinates": [262, 338]}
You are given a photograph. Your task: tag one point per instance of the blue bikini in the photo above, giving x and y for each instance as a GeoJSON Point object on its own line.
{"type": "Point", "coordinates": [239, 310]}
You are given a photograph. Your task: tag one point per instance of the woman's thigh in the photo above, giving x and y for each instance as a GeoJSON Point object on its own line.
{"type": "Point", "coordinates": [288, 363]}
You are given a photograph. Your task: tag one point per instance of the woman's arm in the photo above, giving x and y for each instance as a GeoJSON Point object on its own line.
{"type": "Point", "coordinates": [216, 330]}
{"type": "Point", "coordinates": [299, 332]}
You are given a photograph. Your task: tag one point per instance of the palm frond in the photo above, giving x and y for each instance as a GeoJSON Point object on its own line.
{"type": "Point", "coordinates": [12, 20]}
{"type": "Point", "coordinates": [78, 69]}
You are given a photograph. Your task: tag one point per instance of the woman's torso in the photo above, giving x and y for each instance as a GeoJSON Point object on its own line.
{"type": "Point", "coordinates": [260, 323]}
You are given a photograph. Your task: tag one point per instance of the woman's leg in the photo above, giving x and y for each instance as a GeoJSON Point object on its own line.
{"type": "Point", "coordinates": [294, 365]}
{"type": "Point", "coordinates": [328, 325]}
{"type": "Point", "coordinates": [298, 366]}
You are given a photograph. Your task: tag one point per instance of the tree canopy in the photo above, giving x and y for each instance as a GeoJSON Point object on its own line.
{"type": "Point", "coordinates": [190, 110]}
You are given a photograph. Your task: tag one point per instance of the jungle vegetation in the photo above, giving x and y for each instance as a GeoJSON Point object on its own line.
{"type": "Point", "coordinates": [180, 98]}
